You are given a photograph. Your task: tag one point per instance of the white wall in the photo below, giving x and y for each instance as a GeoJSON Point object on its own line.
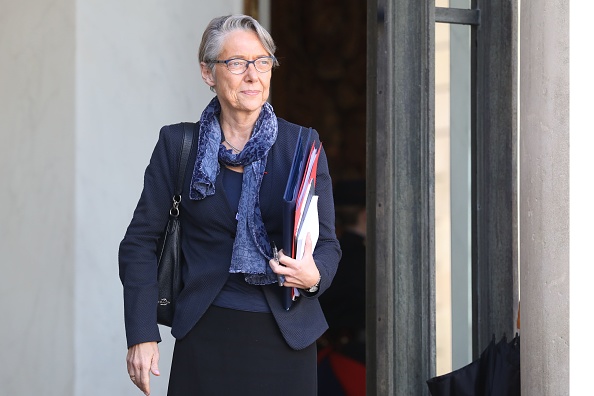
{"type": "Point", "coordinates": [37, 214]}
{"type": "Point", "coordinates": [84, 88]}
{"type": "Point", "coordinates": [544, 197]}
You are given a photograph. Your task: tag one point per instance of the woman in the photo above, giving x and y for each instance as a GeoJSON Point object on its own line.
{"type": "Point", "coordinates": [233, 335]}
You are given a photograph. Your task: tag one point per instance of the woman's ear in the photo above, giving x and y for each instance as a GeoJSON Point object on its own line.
{"type": "Point", "coordinates": [207, 74]}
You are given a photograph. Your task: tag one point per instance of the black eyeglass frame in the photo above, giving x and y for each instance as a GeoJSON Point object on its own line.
{"type": "Point", "coordinates": [248, 62]}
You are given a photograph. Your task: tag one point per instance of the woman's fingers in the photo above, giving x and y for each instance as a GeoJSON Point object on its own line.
{"type": "Point", "coordinates": [297, 273]}
{"type": "Point", "coordinates": [308, 251]}
{"type": "Point", "coordinates": [142, 359]}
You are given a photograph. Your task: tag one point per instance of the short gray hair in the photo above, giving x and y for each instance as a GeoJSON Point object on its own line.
{"type": "Point", "coordinates": [216, 31]}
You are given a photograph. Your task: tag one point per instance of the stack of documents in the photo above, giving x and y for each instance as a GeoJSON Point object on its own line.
{"type": "Point", "coordinates": [300, 206]}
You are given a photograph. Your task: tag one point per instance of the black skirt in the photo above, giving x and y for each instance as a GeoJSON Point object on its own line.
{"type": "Point", "coordinates": [232, 352]}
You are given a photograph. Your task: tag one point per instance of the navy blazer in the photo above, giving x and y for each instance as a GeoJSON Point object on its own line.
{"type": "Point", "coordinates": [208, 233]}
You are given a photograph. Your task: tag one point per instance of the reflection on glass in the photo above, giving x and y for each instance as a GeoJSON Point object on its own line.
{"type": "Point", "coordinates": [442, 199]}
{"type": "Point", "coordinates": [452, 193]}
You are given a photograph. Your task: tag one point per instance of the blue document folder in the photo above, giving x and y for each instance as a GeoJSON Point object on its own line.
{"type": "Point", "coordinates": [289, 202]}
{"type": "Point", "coordinates": [306, 145]}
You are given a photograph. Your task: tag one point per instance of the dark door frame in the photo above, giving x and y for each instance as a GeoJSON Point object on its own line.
{"type": "Point", "coordinates": [400, 196]}
{"type": "Point", "coordinates": [401, 179]}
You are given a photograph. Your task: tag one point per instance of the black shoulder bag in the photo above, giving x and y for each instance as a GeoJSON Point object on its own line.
{"type": "Point", "coordinates": [170, 260]}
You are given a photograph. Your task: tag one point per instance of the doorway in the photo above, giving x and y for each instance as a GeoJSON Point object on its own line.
{"type": "Point", "coordinates": [321, 81]}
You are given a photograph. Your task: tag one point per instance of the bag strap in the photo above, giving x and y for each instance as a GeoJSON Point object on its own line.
{"type": "Point", "coordinates": [183, 164]}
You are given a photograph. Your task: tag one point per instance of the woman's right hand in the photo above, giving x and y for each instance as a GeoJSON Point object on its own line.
{"type": "Point", "coordinates": [141, 360]}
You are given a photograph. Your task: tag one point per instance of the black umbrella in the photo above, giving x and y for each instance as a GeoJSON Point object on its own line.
{"type": "Point", "coordinates": [495, 373]}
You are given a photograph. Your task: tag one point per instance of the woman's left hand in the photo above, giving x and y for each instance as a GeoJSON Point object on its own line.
{"type": "Point", "coordinates": [301, 274]}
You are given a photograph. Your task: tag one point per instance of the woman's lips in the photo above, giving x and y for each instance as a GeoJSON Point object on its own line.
{"type": "Point", "coordinates": [250, 92]}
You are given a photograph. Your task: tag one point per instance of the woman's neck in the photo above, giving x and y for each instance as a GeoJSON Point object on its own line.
{"type": "Point", "coordinates": [236, 126]}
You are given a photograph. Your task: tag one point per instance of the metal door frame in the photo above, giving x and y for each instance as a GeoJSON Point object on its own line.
{"type": "Point", "coordinates": [401, 179]}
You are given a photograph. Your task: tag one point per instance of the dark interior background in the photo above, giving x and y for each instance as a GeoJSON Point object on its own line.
{"type": "Point", "coordinates": [321, 47]}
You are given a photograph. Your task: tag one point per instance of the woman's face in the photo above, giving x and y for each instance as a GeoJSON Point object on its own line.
{"type": "Point", "coordinates": [244, 92]}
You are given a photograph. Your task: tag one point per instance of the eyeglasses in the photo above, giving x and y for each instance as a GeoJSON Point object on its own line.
{"type": "Point", "coordinates": [239, 66]}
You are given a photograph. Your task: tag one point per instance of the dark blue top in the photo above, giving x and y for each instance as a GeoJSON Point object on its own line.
{"type": "Point", "coordinates": [237, 293]}
{"type": "Point", "coordinates": [208, 232]}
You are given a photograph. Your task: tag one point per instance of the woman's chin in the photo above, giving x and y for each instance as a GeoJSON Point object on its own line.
{"type": "Point", "coordinates": [251, 105]}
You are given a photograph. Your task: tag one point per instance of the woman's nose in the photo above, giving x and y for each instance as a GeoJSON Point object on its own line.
{"type": "Point", "coordinates": [251, 72]}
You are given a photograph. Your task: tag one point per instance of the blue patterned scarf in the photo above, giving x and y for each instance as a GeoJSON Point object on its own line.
{"type": "Point", "coordinates": [251, 249]}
